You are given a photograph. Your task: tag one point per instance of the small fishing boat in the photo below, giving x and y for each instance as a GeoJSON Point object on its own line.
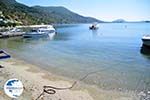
{"type": "Point", "coordinates": [94, 26]}
{"type": "Point", "coordinates": [46, 31]}
{"type": "Point", "coordinates": [146, 40]}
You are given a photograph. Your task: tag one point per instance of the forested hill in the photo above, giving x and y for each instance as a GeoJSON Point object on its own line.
{"type": "Point", "coordinates": [14, 12]}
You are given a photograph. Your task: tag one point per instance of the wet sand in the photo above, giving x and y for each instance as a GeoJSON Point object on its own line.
{"type": "Point", "coordinates": [34, 78]}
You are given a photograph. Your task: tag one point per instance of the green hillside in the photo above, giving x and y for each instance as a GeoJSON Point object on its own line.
{"type": "Point", "coordinates": [15, 13]}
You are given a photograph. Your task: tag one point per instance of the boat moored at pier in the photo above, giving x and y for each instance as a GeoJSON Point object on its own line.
{"type": "Point", "coordinates": [43, 31]}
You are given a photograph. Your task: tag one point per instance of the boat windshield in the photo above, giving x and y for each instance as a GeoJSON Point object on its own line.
{"type": "Point", "coordinates": [46, 31]}
{"type": "Point", "coordinates": [33, 30]}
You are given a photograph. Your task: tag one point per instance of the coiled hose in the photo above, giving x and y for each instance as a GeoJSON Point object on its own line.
{"type": "Point", "coordinates": [52, 90]}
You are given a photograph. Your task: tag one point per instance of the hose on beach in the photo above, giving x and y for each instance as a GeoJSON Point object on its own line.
{"type": "Point", "coordinates": [48, 89]}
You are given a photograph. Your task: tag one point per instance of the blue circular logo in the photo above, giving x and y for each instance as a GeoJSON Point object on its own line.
{"type": "Point", "coordinates": [13, 88]}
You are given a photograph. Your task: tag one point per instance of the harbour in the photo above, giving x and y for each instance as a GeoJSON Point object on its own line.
{"type": "Point", "coordinates": [68, 48]}
{"type": "Point", "coordinates": [18, 31]}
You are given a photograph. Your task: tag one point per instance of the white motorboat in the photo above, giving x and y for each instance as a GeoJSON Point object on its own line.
{"type": "Point", "coordinates": [146, 40]}
{"type": "Point", "coordinates": [46, 31]}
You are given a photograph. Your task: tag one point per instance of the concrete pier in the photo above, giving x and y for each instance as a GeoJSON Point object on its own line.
{"type": "Point", "coordinates": [10, 34]}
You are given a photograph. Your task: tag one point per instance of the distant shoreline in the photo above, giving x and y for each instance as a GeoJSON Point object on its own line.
{"type": "Point", "coordinates": [20, 26]}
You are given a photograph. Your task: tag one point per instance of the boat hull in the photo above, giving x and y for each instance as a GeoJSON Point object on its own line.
{"type": "Point", "coordinates": [30, 35]}
{"type": "Point", "coordinates": [93, 28]}
{"type": "Point", "coordinates": [146, 42]}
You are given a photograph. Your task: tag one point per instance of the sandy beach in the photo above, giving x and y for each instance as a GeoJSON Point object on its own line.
{"type": "Point", "coordinates": [74, 50]}
{"type": "Point", "coordinates": [34, 78]}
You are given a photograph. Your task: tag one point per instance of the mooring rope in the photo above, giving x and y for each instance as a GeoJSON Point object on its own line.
{"type": "Point", "coordinates": [52, 90]}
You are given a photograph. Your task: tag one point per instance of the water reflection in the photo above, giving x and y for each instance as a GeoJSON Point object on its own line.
{"type": "Point", "coordinates": [18, 42]}
{"type": "Point", "coordinates": [30, 40]}
{"type": "Point", "coordinates": [95, 33]}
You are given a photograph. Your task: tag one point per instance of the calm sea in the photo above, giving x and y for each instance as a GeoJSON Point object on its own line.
{"type": "Point", "coordinates": [114, 50]}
